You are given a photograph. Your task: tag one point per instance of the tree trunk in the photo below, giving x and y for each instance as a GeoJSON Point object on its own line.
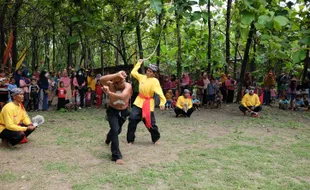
{"type": "Point", "coordinates": [209, 37]}
{"type": "Point", "coordinates": [158, 47]}
{"type": "Point", "coordinates": [252, 65]}
{"type": "Point", "coordinates": [69, 49]}
{"type": "Point", "coordinates": [14, 25]}
{"type": "Point", "coordinates": [138, 32]}
{"type": "Point", "coordinates": [124, 48]}
{"type": "Point", "coordinates": [46, 51]}
{"type": "Point", "coordinates": [235, 61]}
{"type": "Point", "coordinates": [101, 60]}
{"type": "Point", "coordinates": [306, 65]}
{"type": "Point", "coordinates": [228, 18]}
{"type": "Point", "coordinates": [54, 48]}
{"type": "Point", "coordinates": [245, 59]}
{"type": "Point", "coordinates": [179, 58]}
{"type": "Point", "coordinates": [34, 61]}
{"type": "Point", "coordinates": [2, 32]}
{"type": "Point", "coordinates": [117, 60]}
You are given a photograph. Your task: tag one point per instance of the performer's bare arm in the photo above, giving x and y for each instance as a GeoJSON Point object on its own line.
{"type": "Point", "coordinates": [108, 79]}
{"type": "Point", "coordinates": [125, 94]}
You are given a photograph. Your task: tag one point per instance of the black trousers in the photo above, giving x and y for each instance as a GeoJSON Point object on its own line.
{"type": "Point", "coordinates": [34, 101]}
{"type": "Point", "coordinates": [61, 103]}
{"type": "Point", "coordinates": [14, 137]}
{"type": "Point", "coordinates": [134, 118]}
{"type": "Point", "coordinates": [204, 97]}
{"type": "Point", "coordinates": [82, 93]}
{"type": "Point", "coordinates": [244, 109]}
{"type": "Point", "coordinates": [26, 100]}
{"type": "Point", "coordinates": [179, 111]}
{"type": "Point", "coordinates": [116, 119]}
{"type": "Point", "coordinates": [230, 96]}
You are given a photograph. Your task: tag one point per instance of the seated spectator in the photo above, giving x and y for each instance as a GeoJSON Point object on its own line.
{"type": "Point", "coordinates": [184, 106]}
{"type": "Point", "coordinates": [250, 102]}
{"type": "Point", "coordinates": [284, 103]}
{"type": "Point", "coordinates": [196, 102]}
{"type": "Point", "coordinates": [15, 124]}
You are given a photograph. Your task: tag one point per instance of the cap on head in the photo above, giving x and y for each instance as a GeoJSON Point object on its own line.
{"type": "Point", "coordinates": [154, 68]}
{"type": "Point", "coordinates": [16, 91]}
{"type": "Point", "coordinates": [186, 91]}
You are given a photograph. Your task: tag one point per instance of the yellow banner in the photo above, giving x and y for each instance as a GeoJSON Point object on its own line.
{"type": "Point", "coordinates": [21, 59]}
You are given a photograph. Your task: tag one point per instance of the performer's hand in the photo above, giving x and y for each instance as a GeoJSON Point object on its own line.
{"type": "Point", "coordinates": [122, 74]}
{"type": "Point", "coordinates": [162, 107]}
{"type": "Point", "coordinates": [106, 89]}
{"type": "Point", "coordinates": [31, 127]}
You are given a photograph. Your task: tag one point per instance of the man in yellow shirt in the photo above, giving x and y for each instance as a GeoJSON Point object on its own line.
{"type": "Point", "coordinates": [184, 106]}
{"type": "Point", "coordinates": [250, 102]}
{"type": "Point", "coordinates": [91, 82]}
{"type": "Point", "coordinates": [143, 107]}
{"type": "Point", "coordinates": [15, 124]}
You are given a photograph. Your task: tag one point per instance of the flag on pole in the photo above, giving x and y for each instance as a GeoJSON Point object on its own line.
{"type": "Point", "coordinates": [8, 48]}
{"type": "Point", "coordinates": [21, 59]}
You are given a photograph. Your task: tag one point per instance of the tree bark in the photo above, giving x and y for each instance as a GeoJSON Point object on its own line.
{"type": "Point", "coordinates": [306, 65]}
{"type": "Point", "coordinates": [138, 33]}
{"type": "Point", "coordinates": [245, 59]}
{"type": "Point", "coordinates": [209, 37]}
{"type": "Point", "coordinates": [158, 47]}
{"type": "Point", "coordinates": [69, 49]}
{"type": "Point", "coordinates": [2, 32]}
{"type": "Point", "coordinates": [46, 51]}
{"type": "Point", "coordinates": [252, 65]}
{"type": "Point", "coordinates": [18, 4]}
{"type": "Point", "coordinates": [124, 48]}
{"type": "Point", "coordinates": [34, 61]}
{"type": "Point", "coordinates": [117, 60]}
{"type": "Point", "coordinates": [101, 59]}
{"type": "Point", "coordinates": [179, 58]}
{"type": "Point", "coordinates": [228, 19]}
{"type": "Point", "coordinates": [235, 61]}
{"type": "Point", "coordinates": [54, 47]}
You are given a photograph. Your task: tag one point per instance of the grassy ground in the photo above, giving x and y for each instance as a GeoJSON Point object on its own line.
{"type": "Point", "coordinates": [215, 149]}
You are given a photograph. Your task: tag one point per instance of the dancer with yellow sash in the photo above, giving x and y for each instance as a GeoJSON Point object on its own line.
{"type": "Point", "coordinates": [143, 108]}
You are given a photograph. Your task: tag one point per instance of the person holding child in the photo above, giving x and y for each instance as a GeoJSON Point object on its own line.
{"type": "Point", "coordinates": [250, 102]}
{"type": "Point", "coordinates": [184, 106]}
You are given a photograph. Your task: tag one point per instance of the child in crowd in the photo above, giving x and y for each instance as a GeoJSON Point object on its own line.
{"type": "Point", "coordinates": [11, 86]}
{"type": "Point", "coordinates": [306, 101]}
{"type": "Point", "coordinates": [196, 102]}
{"type": "Point", "coordinates": [61, 92]}
{"type": "Point", "coordinates": [218, 99]}
{"type": "Point", "coordinates": [174, 102]}
{"type": "Point", "coordinates": [273, 93]}
{"type": "Point", "coordinates": [76, 97]}
{"type": "Point", "coordinates": [33, 92]}
{"type": "Point", "coordinates": [284, 103]}
{"type": "Point", "coordinates": [99, 93]}
{"type": "Point", "coordinates": [88, 97]}
{"type": "Point", "coordinates": [169, 96]}
{"type": "Point", "coordinates": [211, 90]}
{"type": "Point", "coordinates": [298, 103]}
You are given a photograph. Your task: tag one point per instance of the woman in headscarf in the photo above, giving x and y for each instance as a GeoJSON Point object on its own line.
{"type": "Point", "coordinates": [79, 82]}
{"type": "Point", "coordinates": [67, 85]}
{"type": "Point", "coordinates": [185, 82]}
{"type": "Point", "coordinates": [43, 95]}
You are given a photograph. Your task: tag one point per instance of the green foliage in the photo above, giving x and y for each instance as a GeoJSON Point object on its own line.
{"type": "Point", "coordinates": [157, 5]}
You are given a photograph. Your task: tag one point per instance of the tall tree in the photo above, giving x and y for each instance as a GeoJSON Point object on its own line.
{"type": "Point", "coordinates": [245, 59]}
{"type": "Point", "coordinates": [209, 37]}
{"type": "Point", "coordinates": [18, 5]}
{"type": "Point", "coordinates": [228, 19]}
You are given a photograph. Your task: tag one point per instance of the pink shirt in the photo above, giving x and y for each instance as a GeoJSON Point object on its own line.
{"type": "Point", "coordinates": [273, 92]}
{"type": "Point", "coordinates": [23, 85]}
{"type": "Point", "coordinates": [229, 85]}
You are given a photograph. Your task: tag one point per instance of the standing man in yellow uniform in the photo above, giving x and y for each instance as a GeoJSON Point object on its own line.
{"type": "Point", "coordinates": [143, 108]}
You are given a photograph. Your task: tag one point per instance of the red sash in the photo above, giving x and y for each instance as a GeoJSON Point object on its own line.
{"type": "Point", "coordinates": [146, 110]}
